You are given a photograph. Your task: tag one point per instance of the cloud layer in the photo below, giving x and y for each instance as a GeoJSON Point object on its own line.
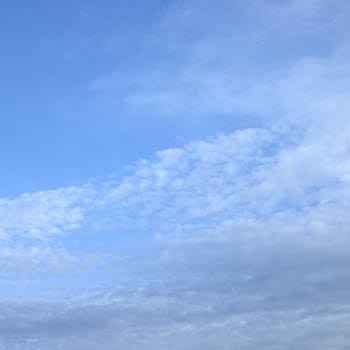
{"type": "Point", "coordinates": [238, 240]}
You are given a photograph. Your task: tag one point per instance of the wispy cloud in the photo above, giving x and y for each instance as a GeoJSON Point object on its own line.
{"type": "Point", "coordinates": [238, 60]}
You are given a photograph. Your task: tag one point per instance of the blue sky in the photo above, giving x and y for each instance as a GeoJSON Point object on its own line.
{"type": "Point", "coordinates": [175, 174]}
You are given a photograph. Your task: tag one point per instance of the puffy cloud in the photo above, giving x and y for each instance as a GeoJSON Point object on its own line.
{"type": "Point", "coordinates": [45, 213]}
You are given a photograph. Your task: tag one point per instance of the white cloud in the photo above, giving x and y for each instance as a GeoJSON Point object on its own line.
{"type": "Point", "coordinates": [252, 176]}
{"type": "Point", "coordinates": [40, 215]}
{"type": "Point", "coordinates": [239, 59]}
{"type": "Point", "coordinates": [33, 260]}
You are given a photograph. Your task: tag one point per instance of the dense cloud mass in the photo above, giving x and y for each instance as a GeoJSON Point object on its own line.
{"type": "Point", "coordinates": [235, 241]}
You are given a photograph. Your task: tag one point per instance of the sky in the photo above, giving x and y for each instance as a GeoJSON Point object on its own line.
{"type": "Point", "coordinates": [175, 174]}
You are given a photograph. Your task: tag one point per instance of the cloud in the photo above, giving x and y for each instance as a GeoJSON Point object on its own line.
{"type": "Point", "coordinates": [34, 260]}
{"type": "Point", "coordinates": [253, 175]}
{"type": "Point", "coordinates": [46, 213]}
{"type": "Point", "coordinates": [244, 235]}
{"type": "Point", "coordinates": [240, 61]}
{"type": "Point", "coordinates": [181, 315]}
{"type": "Point", "coordinates": [310, 84]}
